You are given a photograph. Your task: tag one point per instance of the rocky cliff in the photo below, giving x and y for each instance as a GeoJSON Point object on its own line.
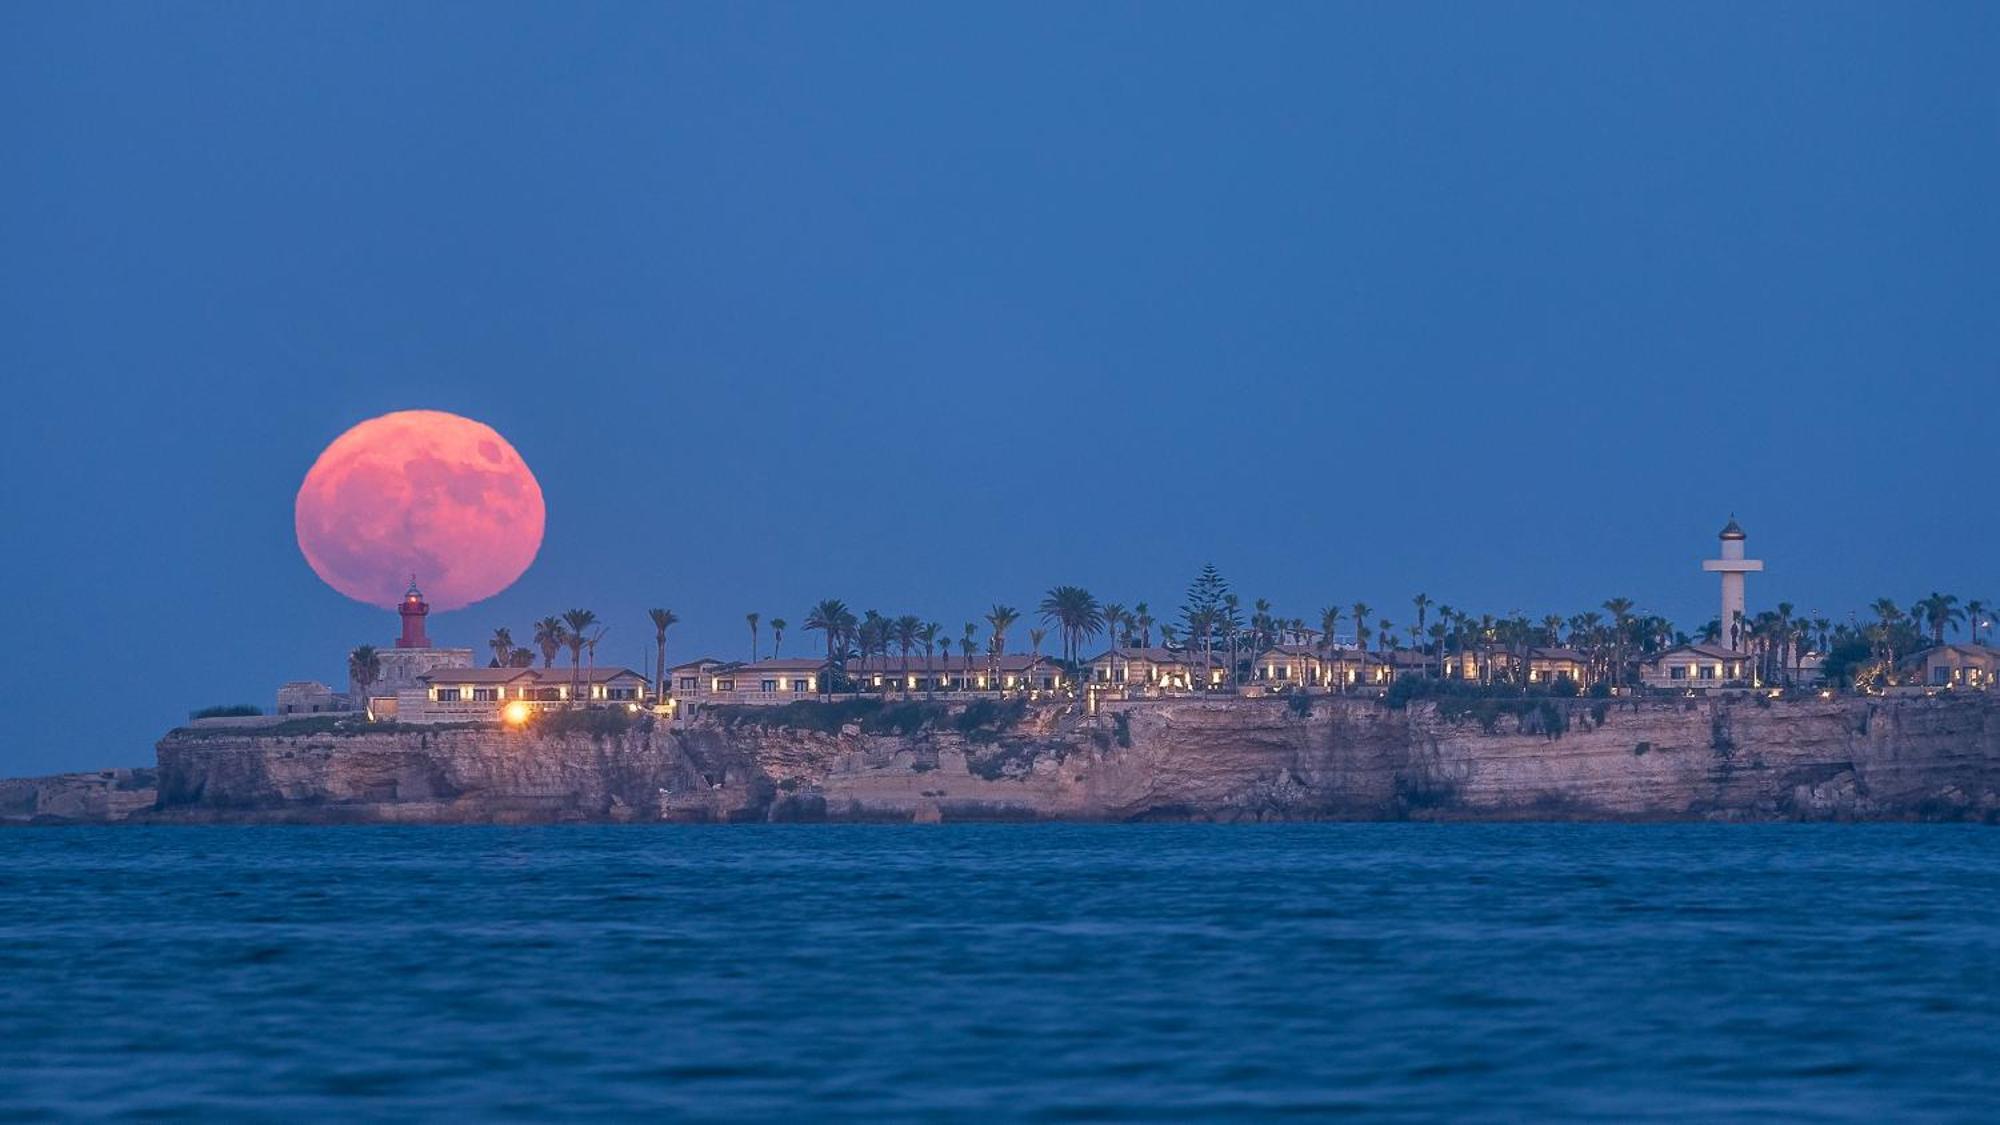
{"type": "Point", "coordinates": [1741, 758]}
{"type": "Point", "coordinates": [101, 796]}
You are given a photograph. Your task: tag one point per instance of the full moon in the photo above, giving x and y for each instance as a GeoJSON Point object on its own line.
{"type": "Point", "coordinates": [423, 493]}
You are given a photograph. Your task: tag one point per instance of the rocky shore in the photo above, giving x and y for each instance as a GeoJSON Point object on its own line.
{"type": "Point", "coordinates": [1739, 758]}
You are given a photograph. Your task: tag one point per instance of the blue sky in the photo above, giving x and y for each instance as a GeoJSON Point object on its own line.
{"type": "Point", "coordinates": [925, 307]}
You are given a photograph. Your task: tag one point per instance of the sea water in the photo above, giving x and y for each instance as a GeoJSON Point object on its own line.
{"type": "Point", "coordinates": [1003, 972]}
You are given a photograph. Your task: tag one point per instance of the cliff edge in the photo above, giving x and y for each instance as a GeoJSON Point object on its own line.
{"type": "Point", "coordinates": [1740, 758]}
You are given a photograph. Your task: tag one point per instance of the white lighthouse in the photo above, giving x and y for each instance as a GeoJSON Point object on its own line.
{"type": "Point", "coordinates": [1732, 566]}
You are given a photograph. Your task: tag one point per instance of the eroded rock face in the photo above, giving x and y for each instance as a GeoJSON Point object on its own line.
{"type": "Point", "coordinates": [101, 796]}
{"type": "Point", "coordinates": [1225, 760]}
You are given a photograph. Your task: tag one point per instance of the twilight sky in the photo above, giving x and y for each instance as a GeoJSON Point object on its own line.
{"type": "Point", "coordinates": [926, 308]}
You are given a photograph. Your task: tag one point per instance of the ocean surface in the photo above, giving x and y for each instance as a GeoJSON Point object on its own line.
{"type": "Point", "coordinates": [1007, 972]}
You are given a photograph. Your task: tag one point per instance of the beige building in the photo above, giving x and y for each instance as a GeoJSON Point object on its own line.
{"type": "Point", "coordinates": [781, 680]}
{"type": "Point", "coordinates": [786, 680]}
{"type": "Point", "coordinates": [1013, 672]}
{"type": "Point", "coordinates": [1149, 671]}
{"type": "Point", "coordinates": [1962, 667]}
{"type": "Point", "coordinates": [309, 697]}
{"type": "Point", "coordinates": [1339, 669]}
{"type": "Point", "coordinates": [1697, 667]}
{"type": "Point", "coordinates": [1545, 665]}
{"type": "Point", "coordinates": [484, 694]}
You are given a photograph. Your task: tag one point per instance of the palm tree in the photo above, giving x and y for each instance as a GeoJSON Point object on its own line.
{"type": "Point", "coordinates": [1329, 619]}
{"type": "Point", "coordinates": [1035, 646]}
{"type": "Point", "coordinates": [1975, 617]}
{"type": "Point", "coordinates": [1361, 610]}
{"type": "Point", "coordinates": [907, 629]}
{"type": "Point", "coordinates": [1885, 635]}
{"type": "Point", "coordinates": [1002, 618]}
{"type": "Point", "coordinates": [873, 637]}
{"type": "Point", "coordinates": [778, 626]}
{"type": "Point", "coordinates": [929, 635]}
{"type": "Point", "coordinates": [663, 619]}
{"type": "Point", "coordinates": [1620, 610]}
{"type": "Point", "coordinates": [521, 658]}
{"type": "Point", "coordinates": [1114, 616]}
{"type": "Point", "coordinates": [967, 645]}
{"type": "Point", "coordinates": [830, 616]}
{"type": "Point", "coordinates": [1423, 603]}
{"type": "Point", "coordinates": [1075, 614]}
{"type": "Point", "coordinates": [752, 619]}
{"type": "Point", "coordinates": [502, 644]}
{"type": "Point", "coordinates": [1142, 619]}
{"type": "Point", "coordinates": [364, 667]}
{"type": "Point", "coordinates": [1939, 611]}
{"type": "Point", "coordinates": [549, 638]}
{"type": "Point", "coordinates": [574, 624]}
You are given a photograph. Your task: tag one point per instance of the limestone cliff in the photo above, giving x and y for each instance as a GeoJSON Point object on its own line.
{"type": "Point", "coordinates": [1742, 758]}
{"type": "Point", "coordinates": [101, 796]}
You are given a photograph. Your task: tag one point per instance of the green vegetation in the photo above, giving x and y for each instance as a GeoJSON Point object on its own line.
{"type": "Point", "coordinates": [991, 715]}
{"type": "Point", "coordinates": [1121, 729]}
{"type": "Point", "coordinates": [1537, 711]}
{"type": "Point", "coordinates": [979, 720]}
{"type": "Point", "coordinates": [597, 722]}
{"type": "Point", "coordinates": [227, 711]}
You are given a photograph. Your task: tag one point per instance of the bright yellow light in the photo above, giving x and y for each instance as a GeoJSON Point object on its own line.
{"type": "Point", "coordinates": [516, 713]}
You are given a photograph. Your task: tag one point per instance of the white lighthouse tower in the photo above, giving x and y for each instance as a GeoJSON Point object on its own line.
{"type": "Point", "coordinates": [1732, 566]}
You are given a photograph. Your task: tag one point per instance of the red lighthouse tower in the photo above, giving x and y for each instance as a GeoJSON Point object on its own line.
{"type": "Point", "coordinates": [413, 610]}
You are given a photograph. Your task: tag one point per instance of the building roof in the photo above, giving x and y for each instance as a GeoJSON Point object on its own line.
{"type": "Point", "coordinates": [599, 675]}
{"type": "Point", "coordinates": [1154, 655]}
{"type": "Point", "coordinates": [1976, 652]}
{"type": "Point", "coordinates": [1011, 662]}
{"type": "Point", "coordinates": [778, 664]}
{"type": "Point", "coordinates": [551, 676]}
{"type": "Point", "coordinates": [696, 664]}
{"type": "Point", "coordinates": [1337, 656]}
{"type": "Point", "coordinates": [1713, 652]}
{"type": "Point", "coordinates": [483, 675]}
{"type": "Point", "coordinates": [1734, 530]}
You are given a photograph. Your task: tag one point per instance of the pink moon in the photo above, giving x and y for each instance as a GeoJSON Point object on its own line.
{"type": "Point", "coordinates": [423, 493]}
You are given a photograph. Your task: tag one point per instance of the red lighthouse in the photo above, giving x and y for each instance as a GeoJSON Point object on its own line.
{"type": "Point", "coordinates": [413, 610]}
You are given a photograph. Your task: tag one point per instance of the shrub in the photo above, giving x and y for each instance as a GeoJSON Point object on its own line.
{"type": "Point", "coordinates": [597, 722]}
{"type": "Point", "coordinates": [1299, 704]}
{"type": "Point", "coordinates": [227, 711]}
{"type": "Point", "coordinates": [1121, 729]}
{"type": "Point", "coordinates": [990, 714]}
{"type": "Point", "coordinates": [1535, 709]}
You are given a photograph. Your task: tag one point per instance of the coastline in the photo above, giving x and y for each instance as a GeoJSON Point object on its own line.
{"type": "Point", "coordinates": [1729, 758]}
